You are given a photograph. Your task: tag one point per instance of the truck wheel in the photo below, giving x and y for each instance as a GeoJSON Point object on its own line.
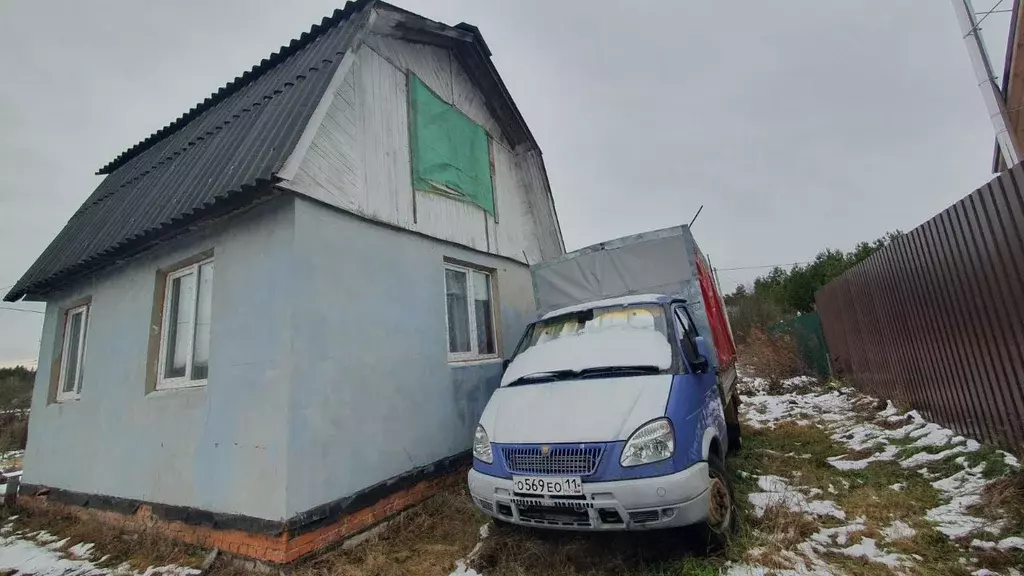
{"type": "Point", "coordinates": [723, 515]}
{"type": "Point", "coordinates": [732, 425]}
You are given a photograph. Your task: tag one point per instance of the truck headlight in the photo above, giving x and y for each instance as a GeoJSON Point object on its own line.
{"type": "Point", "coordinates": [482, 445]}
{"type": "Point", "coordinates": [652, 442]}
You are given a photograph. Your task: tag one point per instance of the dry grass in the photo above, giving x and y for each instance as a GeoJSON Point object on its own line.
{"type": "Point", "coordinates": [425, 540]}
{"type": "Point", "coordinates": [141, 549]}
{"type": "Point", "coordinates": [13, 431]}
{"type": "Point", "coordinates": [774, 356]}
{"type": "Point", "coordinates": [784, 527]}
{"type": "Point", "coordinates": [1004, 498]}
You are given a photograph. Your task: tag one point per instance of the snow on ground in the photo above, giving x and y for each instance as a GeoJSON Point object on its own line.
{"type": "Point", "coordinates": [914, 444]}
{"type": "Point", "coordinates": [42, 554]}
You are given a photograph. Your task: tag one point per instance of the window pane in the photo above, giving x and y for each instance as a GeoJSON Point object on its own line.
{"type": "Point", "coordinates": [201, 348]}
{"type": "Point", "coordinates": [179, 324]}
{"type": "Point", "coordinates": [482, 309]}
{"type": "Point", "coordinates": [81, 353]}
{"type": "Point", "coordinates": [73, 336]}
{"type": "Point", "coordinates": [457, 300]}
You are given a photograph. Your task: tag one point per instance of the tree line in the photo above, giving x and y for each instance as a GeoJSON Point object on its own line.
{"type": "Point", "coordinates": [782, 293]}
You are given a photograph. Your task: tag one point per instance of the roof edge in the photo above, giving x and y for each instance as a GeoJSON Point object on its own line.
{"type": "Point", "coordinates": [267, 64]}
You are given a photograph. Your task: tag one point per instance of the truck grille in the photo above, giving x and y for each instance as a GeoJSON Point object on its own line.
{"type": "Point", "coordinates": [560, 460]}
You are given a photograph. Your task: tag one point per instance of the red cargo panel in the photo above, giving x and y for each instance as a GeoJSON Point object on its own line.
{"type": "Point", "coordinates": [721, 333]}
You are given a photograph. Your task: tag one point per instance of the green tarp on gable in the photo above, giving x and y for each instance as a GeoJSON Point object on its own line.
{"type": "Point", "coordinates": [450, 154]}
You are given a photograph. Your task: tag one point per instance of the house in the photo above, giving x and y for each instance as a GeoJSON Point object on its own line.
{"type": "Point", "coordinates": [278, 318]}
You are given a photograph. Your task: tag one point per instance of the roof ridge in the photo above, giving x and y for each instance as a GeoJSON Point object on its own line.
{"type": "Point", "coordinates": [239, 82]}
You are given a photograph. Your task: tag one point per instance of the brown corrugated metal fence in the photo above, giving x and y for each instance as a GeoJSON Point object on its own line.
{"type": "Point", "coordinates": [935, 320]}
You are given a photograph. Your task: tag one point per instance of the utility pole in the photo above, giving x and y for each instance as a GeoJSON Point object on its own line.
{"type": "Point", "coordinates": [995, 102]}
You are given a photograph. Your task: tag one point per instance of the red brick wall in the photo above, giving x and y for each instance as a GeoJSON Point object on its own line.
{"type": "Point", "coordinates": [279, 549]}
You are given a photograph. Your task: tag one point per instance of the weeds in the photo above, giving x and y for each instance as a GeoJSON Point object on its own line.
{"type": "Point", "coordinates": [774, 356]}
{"type": "Point", "coordinates": [140, 549]}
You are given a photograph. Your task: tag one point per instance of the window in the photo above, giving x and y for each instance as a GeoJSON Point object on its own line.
{"type": "Point", "coordinates": [451, 154]}
{"type": "Point", "coordinates": [687, 334]}
{"type": "Point", "coordinates": [185, 332]}
{"type": "Point", "coordinates": [469, 306]}
{"type": "Point", "coordinates": [595, 321]}
{"type": "Point", "coordinates": [76, 323]}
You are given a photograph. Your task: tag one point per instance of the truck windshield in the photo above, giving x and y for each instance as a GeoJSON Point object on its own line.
{"type": "Point", "coordinates": [643, 317]}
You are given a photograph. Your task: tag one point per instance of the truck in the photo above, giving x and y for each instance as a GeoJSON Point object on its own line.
{"type": "Point", "coordinates": [618, 406]}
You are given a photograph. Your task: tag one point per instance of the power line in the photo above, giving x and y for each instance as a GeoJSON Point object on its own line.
{"type": "Point", "coordinates": [784, 264]}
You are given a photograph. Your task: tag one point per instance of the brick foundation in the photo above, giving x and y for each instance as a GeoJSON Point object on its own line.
{"type": "Point", "coordinates": [283, 548]}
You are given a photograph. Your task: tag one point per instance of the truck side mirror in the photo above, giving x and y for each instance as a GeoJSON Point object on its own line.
{"type": "Point", "coordinates": [701, 364]}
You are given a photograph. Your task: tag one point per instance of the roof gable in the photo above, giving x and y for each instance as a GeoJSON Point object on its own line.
{"type": "Point", "coordinates": [235, 145]}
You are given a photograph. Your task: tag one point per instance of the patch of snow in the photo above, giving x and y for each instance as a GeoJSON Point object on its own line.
{"type": "Point", "coordinates": [23, 557]}
{"type": "Point", "coordinates": [899, 486]}
{"type": "Point", "coordinates": [840, 535]}
{"type": "Point", "coordinates": [922, 458]}
{"type": "Point", "coordinates": [485, 530]}
{"type": "Point", "coordinates": [953, 520]}
{"type": "Point", "coordinates": [777, 492]}
{"type": "Point", "coordinates": [81, 550]}
{"type": "Point", "coordinates": [462, 570]}
{"type": "Point", "coordinates": [982, 544]}
{"type": "Point", "coordinates": [866, 549]}
{"type": "Point", "coordinates": [888, 454]}
{"type": "Point", "coordinates": [1011, 460]}
{"type": "Point", "coordinates": [58, 544]}
{"type": "Point", "coordinates": [832, 489]}
{"type": "Point", "coordinates": [1011, 543]}
{"type": "Point", "coordinates": [898, 530]}
{"type": "Point", "coordinates": [984, 572]}
{"type": "Point", "coordinates": [890, 410]}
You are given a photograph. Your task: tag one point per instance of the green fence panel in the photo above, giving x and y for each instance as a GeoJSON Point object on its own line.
{"type": "Point", "coordinates": [805, 330]}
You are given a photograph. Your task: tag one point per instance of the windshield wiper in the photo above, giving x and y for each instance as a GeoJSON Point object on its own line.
{"type": "Point", "coordinates": [639, 370]}
{"type": "Point", "coordinates": [541, 377]}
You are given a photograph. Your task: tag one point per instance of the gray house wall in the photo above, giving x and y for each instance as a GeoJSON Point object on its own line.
{"type": "Point", "coordinates": [221, 447]}
{"type": "Point", "coordinates": [329, 370]}
{"type": "Point", "coordinates": [373, 393]}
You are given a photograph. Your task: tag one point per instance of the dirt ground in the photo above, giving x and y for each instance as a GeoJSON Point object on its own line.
{"type": "Point", "coordinates": [828, 482]}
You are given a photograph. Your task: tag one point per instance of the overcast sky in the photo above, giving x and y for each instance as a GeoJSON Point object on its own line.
{"type": "Point", "coordinates": [797, 124]}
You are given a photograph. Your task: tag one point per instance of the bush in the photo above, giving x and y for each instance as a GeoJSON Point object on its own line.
{"type": "Point", "coordinates": [13, 431]}
{"type": "Point", "coordinates": [773, 356]}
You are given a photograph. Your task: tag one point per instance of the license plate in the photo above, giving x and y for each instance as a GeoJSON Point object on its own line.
{"type": "Point", "coordinates": [548, 485]}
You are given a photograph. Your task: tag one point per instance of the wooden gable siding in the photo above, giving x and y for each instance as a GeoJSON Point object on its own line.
{"type": "Point", "coordinates": [359, 157]}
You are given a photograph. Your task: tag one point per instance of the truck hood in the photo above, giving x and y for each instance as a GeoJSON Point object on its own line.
{"type": "Point", "coordinates": [589, 410]}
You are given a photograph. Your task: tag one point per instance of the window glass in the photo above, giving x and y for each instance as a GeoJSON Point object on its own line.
{"type": "Point", "coordinates": [457, 295]}
{"type": "Point", "coordinates": [188, 309]}
{"type": "Point", "coordinates": [76, 325]}
{"type": "Point", "coordinates": [179, 324]}
{"type": "Point", "coordinates": [482, 309]}
{"type": "Point", "coordinates": [74, 339]}
{"type": "Point", "coordinates": [687, 335]}
{"type": "Point", "coordinates": [637, 317]}
{"type": "Point", "coordinates": [201, 348]}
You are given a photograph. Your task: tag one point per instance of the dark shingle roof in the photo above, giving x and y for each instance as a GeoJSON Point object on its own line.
{"type": "Point", "coordinates": [228, 146]}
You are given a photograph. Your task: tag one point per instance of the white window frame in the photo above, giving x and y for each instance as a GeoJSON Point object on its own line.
{"type": "Point", "coordinates": [76, 393]}
{"type": "Point", "coordinates": [473, 355]}
{"type": "Point", "coordinates": [185, 381]}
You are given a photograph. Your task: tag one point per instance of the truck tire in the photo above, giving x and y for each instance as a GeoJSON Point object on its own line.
{"type": "Point", "coordinates": [723, 519]}
{"type": "Point", "coordinates": [732, 425]}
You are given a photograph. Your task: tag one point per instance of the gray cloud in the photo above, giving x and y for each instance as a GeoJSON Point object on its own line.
{"type": "Point", "coordinates": [798, 125]}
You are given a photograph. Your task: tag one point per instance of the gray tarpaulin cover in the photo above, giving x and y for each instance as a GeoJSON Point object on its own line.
{"type": "Point", "coordinates": [657, 262]}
